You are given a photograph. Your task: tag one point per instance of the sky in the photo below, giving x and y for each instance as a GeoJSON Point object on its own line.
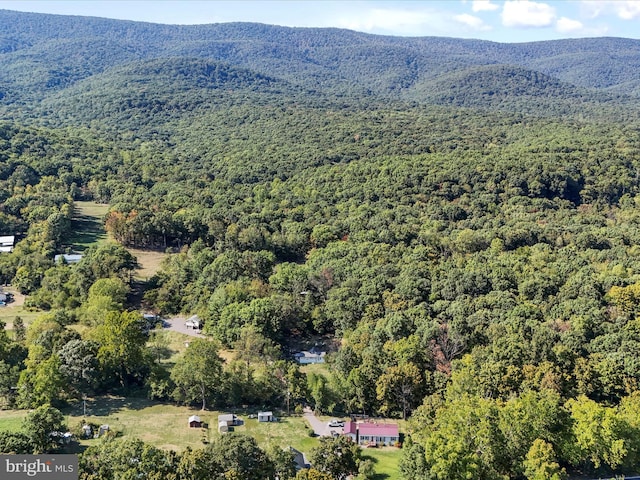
{"type": "Point", "coordinates": [496, 20]}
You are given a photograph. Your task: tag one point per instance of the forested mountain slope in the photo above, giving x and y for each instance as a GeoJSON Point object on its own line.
{"type": "Point", "coordinates": [41, 54]}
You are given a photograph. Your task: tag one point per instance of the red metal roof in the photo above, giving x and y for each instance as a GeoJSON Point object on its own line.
{"type": "Point", "coordinates": [350, 427]}
{"type": "Point", "coordinates": [378, 430]}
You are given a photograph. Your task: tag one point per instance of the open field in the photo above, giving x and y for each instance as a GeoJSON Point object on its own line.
{"type": "Point", "coordinates": [11, 420]}
{"type": "Point", "coordinates": [317, 368]}
{"type": "Point", "coordinates": [87, 225]}
{"type": "Point", "coordinates": [149, 261]}
{"type": "Point", "coordinates": [16, 309]}
{"type": "Point", "coordinates": [165, 426]}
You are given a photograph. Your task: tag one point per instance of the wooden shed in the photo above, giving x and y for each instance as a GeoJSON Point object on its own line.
{"type": "Point", "coordinates": [195, 422]}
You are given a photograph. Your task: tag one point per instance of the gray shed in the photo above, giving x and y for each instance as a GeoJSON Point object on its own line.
{"type": "Point", "coordinates": [265, 416]}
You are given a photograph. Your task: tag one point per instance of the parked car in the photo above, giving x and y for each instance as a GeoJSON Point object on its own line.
{"type": "Point", "coordinates": [336, 423]}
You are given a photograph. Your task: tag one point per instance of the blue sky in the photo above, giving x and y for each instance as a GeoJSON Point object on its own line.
{"type": "Point", "coordinates": [501, 21]}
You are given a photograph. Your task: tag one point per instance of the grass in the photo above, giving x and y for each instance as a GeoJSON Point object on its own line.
{"type": "Point", "coordinates": [289, 431]}
{"type": "Point", "coordinates": [170, 344]}
{"type": "Point", "coordinates": [11, 420]}
{"type": "Point", "coordinates": [149, 261]}
{"type": "Point", "coordinates": [317, 368]}
{"type": "Point", "coordinates": [165, 426]}
{"type": "Point", "coordinates": [162, 425]}
{"type": "Point", "coordinates": [86, 225]}
{"type": "Point", "coordinates": [16, 309]}
{"type": "Point", "coordinates": [386, 461]}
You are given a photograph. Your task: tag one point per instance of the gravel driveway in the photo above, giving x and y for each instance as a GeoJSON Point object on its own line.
{"type": "Point", "coordinates": [320, 428]}
{"type": "Point", "coordinates": [176, 324]}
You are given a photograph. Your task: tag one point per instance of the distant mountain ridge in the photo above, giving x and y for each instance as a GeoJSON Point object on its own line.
{"type": "Point", "coordinates": [42, 55]}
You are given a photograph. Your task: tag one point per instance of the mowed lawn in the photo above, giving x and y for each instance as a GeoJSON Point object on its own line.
{"type": "Point", "coordinates": [386, 461]}
{"type": "Point", "coordinates": [166, 426]}
{"type": "Point", "coordinates": [11, 420]}
{"type": "Point", "coordinates": [149, 262]}
{"type": "Point", "coordinates": [86, 225]}
{"type": "Point", "coordinates": [9, 312]}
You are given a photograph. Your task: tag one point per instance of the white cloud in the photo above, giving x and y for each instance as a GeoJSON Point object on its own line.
{"type": "Point", "coordinates": [624, 9]}
{"type": "Point", "coordinates": [524, 13]}
{"type": "Point", "coordinates": [483, 6]}
{"type": "Point", "coordinates": [627, 10]}
{"type": "Point", "coordinates": [470, 21]}
{"type": "Point", "coordinates": [567, 25]}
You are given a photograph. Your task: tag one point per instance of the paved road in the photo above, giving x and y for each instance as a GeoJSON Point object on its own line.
{"type": "Point", "coordinates": [319, 427]}
{"type": "Point", "coordinates": [176, 324]}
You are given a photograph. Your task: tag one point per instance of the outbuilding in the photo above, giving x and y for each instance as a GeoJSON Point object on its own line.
{"type": "Point", "coordinates": [193, 322]}
{"type": "Point", "coordinates": [195, 422]}
{"type": "Point", "coordinates": [6, 243]}
{"type": "Point", "coordinates": [265, 417]}
{"type": "Point", "coordinates": [230, 419]}
{"type": "Point", "coordinates": [67, 258]}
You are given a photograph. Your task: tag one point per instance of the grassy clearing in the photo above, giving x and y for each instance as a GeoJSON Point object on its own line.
{"type": "Point", "coordinates": [168, 344]}
{"type": "Point", "coordinates": [162, 425]}
{"type": "Point", "coordinates": [16, 309]}
{"type": "Point", "coordinates": [86, 225]}
{"type": "Point", "coordinates": [149, 261]}
{"type": "Point", "coordinates": [289, 431]}
{"type": "Point", "coordinates": [11, 420]}
{"type": "Point", "coordinates": [317, 368]}
{"type": "Point", "coordinates": [165, 426]}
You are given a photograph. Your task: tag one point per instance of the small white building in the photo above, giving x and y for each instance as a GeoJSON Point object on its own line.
{"type": "Point", "coordinates": [193, 322]}
{"type": "Point", "coordinates": [6, 243]}
{"type": "Point", "coordinates": [230, 419]}
{"type": "Point", "coordinates": [265, 417]}
{"type": "Point", "coordinates": [67, 258]}
{"type": "Point", "coordinates": [312, 356]}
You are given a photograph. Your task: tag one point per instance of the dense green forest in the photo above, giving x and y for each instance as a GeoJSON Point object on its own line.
{"type": "Point", "coordinates": [459, 219]}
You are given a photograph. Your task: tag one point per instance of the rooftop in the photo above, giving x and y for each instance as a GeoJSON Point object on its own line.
{"type": "Point", "coordinates": [380, 430]}
{"type": "Point", "coordinates": [350, 427]}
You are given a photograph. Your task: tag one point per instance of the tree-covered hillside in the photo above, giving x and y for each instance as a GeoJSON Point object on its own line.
{"type": "Point", "coordinates": [456, 220]}
{"type": "Point", "coordinates": [42, 54]}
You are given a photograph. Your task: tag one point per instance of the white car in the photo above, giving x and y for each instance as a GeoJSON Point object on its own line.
{"type": "Point", "coordinates": [336, 423]}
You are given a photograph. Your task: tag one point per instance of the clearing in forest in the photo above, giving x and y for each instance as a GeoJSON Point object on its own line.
{"type": "Point", "coordinates": [87, 229]}
{"type": "Point", "coordinates": [86, 226]}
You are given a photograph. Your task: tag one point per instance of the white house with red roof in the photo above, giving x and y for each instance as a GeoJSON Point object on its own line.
{"type": "Point", "coordinates": [372, 433]}
{"type": "Point", "coordinates": [379, 434]}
